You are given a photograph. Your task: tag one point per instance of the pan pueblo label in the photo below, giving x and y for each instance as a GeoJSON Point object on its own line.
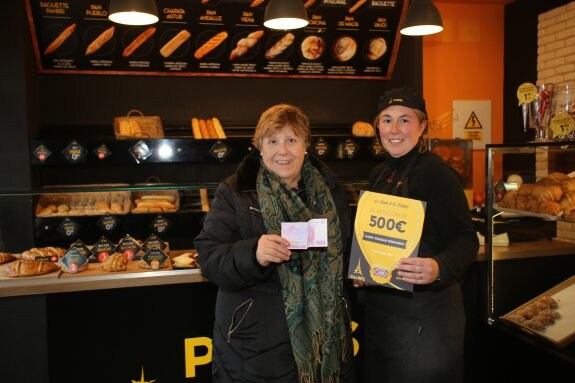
{"type": "Point", "coordinates": [386, 228]}
{"type": "Point", "coordinates": [155, 258]}
{"type": "Point", "coordinates": [103, 249]}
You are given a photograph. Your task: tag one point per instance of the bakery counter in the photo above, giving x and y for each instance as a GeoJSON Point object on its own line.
{"type": "Point", "coordinates": [88, 280]}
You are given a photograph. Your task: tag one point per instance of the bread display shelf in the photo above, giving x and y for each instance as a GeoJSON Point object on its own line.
{"type": "Point", "coordinates": [94, 278]}
{"type": "Point", "coordinates": [83, 204]}
{"type": "Point", "coordinates": [509, 213]}
{"type": "Point", "coordinates": [562, 332]}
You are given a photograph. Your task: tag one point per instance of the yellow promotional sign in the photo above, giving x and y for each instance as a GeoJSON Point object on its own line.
{"type": "Point", "coordinates": [386, 228]}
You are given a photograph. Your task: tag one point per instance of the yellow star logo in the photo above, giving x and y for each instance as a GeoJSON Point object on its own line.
{"type": "Point", "coordinates": [142, 380]}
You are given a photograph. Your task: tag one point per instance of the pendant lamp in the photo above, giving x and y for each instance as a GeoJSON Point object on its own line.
{"type": "Point", "coordinates": [133, 12]}
{"type": "Point", "coordinates": [421, 18]}
{"type": "Point", "coordinates": [285, 14]}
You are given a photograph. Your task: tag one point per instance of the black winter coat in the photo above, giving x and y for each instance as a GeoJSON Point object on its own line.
{"type": "Point", "coordinates": [250, 339]}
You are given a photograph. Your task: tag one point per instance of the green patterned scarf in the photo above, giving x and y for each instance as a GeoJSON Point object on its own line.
{"type": "Point", "coordinates": [312, 280]}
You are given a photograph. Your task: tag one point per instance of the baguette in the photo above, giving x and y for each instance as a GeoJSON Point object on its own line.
{"type": "Point", "coordinates": [280, 46]}
{"type": "Point", "coordinates": [211, 128]}
{"type": "Point", "coordinates": [309, 3]}
{"type": "Point", "coordinates": [245, 44]}
{"type": "Point", "coordinates": [196, 129]}
{"type": "Point", "coordinates": [99, 41]}
{"type": "Point", "coordinates": [58, 41]}
{"type": "Point", "coordinates": [210, 45]}
{"type": "Point", "coordinates": [356, 6]}
{"type": "Point", "coordinates": [138, 41]}
{"type": "Point", "coordinates": [204, 128]}
{"type": "Point", "coordinates": [255, 3]}
{"type": "Point", "coordinates": [219, 129]}
{"type": "Point", "coordinates": [171, 46]}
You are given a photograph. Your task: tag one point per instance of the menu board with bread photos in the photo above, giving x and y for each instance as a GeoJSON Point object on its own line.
{"type": "Point", "coordinates": [351, 39]}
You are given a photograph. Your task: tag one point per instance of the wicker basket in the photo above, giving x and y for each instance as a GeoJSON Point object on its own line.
{"type": "Point", "coordinates": [136, 125]}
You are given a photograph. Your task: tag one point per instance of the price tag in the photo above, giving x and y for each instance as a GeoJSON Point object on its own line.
{"type": "Point", "coordinates": [129, 247]}
{"type": "Point", "coordinates": [84, 250]}
{"type": "Point", "coordinates": [69, 228]}
{"type": "Point", "coordinates": [103, 249]}
{"type": "Point", "coordinates": [42, 153]}
{"type": "Point", "coordinates": [376, 148]}
{"type": "Point", "coordinates": [154, 242]}
{"type": "Point", "coordinates": [155, 258]}
{"type": "Point", "coordinates": [102, 152]}
{"type": "Point", "coordinates": [350, 148]}
{"type": "Point", "coordinates": [140, 151]}
{"type": "Point", "coordinates": [74, 152]}
{"type": "Point", "coordinates": [562, 124]}
{"type": "Point", "coordinates": [220, 151]}
{"type": "Point", "coordinates": [73, 261]}
{"type": "Point", "coordinates": [526, 93]}
{"type": "Point", "coordinates": [160, 225]}
{"type": "Point", "coordinates": [108, 222]}
{"type": "Point", "coordinates": [320, 147]}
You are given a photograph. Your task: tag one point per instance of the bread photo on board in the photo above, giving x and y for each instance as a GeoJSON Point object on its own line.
{"type": "Point", "coordinates": [170, 47]}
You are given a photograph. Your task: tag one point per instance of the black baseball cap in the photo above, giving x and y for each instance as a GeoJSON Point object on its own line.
{"type": "Point", "coordinates": [404, 97]}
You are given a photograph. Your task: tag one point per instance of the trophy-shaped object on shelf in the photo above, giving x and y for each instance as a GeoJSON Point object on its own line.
{"type": "Point", "coordinates": [563, 121]}
{"type": "Point", "coordinates": [537, 104]}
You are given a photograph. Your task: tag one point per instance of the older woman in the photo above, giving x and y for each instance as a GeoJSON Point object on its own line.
{"type": "Point", "coordinates": [280, 313]}
{"type": "Point", "coordinates": [418, 337]}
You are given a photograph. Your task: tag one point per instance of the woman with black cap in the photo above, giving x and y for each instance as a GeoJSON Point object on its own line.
{"type": "Point", "coordinates": [419, 336]}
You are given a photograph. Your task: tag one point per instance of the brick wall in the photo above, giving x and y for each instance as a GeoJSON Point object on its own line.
{"type": "Point", "coordinates": [555, 57]}
{"type": "Point", "coordinates": [556, 64]}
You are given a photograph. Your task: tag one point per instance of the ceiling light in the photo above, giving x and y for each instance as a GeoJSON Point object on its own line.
{"type": "Point", "coordinates": [285, 14]}
{"type": "Point", "coordinates": [133, 12]}
{"type": "Point", "coordinates": [421, 18]}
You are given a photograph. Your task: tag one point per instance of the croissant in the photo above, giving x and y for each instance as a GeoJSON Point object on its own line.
{"type": "Point", "coordinates": [509, 200]}
{"type": "Point", "coordinates": [525, 190]}
{"type": "Point", "coordinates": [567, 185]}
{"type": "Point", "coordinates": [567, 202]}
{"type": "Point", "coordinates": [550, 207]}
{"type": "Point", "coordinates": [28, 268]}
{"type": "Point", "coordinates": [547, 193]}
{"type": "Point", "coordinates": [6, 257]}
{"type": "Point", "coordinates": [116, 262]}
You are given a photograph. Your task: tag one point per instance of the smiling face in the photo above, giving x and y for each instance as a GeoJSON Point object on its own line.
{"type": "Point", "coordinates": [283, 153]}
{"type": "Point", "coordinates": [399, 129]}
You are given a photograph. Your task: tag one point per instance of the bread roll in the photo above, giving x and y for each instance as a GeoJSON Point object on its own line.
{"type": "Point", "coordinates": [29, 268]}
{"type": "Point", "coordinates": [171, 46]}
{"type": "Point", "coordinates": [211, 129]}
{"type": "Point", "coordinates": [219, 128]}
{"type": "Point", "coordinates": [99, 42]}
{"type": "Point", "coordinates": [138, 41]}
{"type": "Point", "coordinates": [362, 129]}
{"type": "Point", "coordinates": [197, 132]}
{"type": "Point", "coordinates": [210, 45]}
{"type": "Point", "coordinates": [312, 47]}
{"type": "Point", "coordinates": [204, 128]}
{"type": "Point", "coordinates": [245, 44]}
{"type": "Point", "coordinates": [376, 48]}
{"type": "Point", "coordinates": [280, 46]}
{"type": "Point", "coordinates": [344, 48]}
{"type": "Point", "coordinates": [62, 37]}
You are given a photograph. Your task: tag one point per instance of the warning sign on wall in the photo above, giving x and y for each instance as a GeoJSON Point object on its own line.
{"type": "Point", "coordinates": [472, 121]}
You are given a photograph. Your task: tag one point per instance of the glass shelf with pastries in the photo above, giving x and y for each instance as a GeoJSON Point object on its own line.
{"type": "Point", "coordinates": [531, 275]}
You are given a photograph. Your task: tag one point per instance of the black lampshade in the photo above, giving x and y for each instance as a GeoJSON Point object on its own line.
{"type": "Point", "coordinates": [421, 18]}
{"type": "Point", "coordinates": [133, 12]}
{"type": "Point", "coordinates": [285, 14]}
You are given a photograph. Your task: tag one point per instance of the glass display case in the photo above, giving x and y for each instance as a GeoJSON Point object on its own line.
{"type": "Point", "coordinates": [144, 198]}
{"type": "Point", "coordinates": [530, 241]}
